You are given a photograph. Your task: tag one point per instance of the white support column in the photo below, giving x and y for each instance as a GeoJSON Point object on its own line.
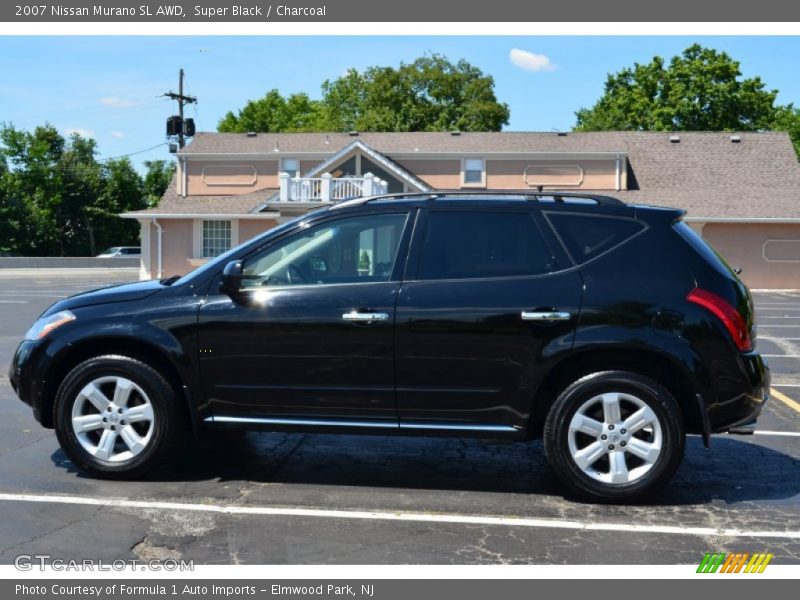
{"type": "Point", "coordinates": [145, 267]}
{"type": "Point", "coordinates": [369, 185]}
{"type": "Point", "coordinates": [325, 187]}
{"type": "Point", "coordinates": [284, 184]}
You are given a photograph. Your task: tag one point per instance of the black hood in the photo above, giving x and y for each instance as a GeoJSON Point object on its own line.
{"type": "Point", "coordinates": [115, 293]}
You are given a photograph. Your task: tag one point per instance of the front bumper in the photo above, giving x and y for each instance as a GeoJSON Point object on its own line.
{"type": "Point", "coordinates": [27, 378]}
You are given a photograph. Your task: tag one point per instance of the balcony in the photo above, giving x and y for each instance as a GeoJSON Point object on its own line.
{"type": "Point", "coordinates": [328, 188]}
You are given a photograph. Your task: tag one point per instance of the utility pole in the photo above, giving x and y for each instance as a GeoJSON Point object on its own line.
{"type": "Point", "coordinates": [182, 100]}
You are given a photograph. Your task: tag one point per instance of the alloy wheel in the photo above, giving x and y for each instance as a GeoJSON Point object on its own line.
{"type": "Point", "coordinates": [615, 438]}
{"type": "Point", "coordinates": [113, 419]}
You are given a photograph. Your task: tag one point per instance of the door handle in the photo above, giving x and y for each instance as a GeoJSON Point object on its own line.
{"type": "Point", "coordinates": [354, 315]}
{"type": "Point", "coordinates": [547, 315]}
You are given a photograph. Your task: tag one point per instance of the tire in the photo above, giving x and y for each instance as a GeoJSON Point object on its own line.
{"type": "Point", "coordinates": [629, 463]}
{"type": "Point", "coordinates": [116, 417]}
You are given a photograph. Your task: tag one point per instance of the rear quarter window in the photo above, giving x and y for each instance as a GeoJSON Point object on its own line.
{"type": "Point", "coordinates": [703, 248]}
{"type": "Point", "coordinates": [587, 236]}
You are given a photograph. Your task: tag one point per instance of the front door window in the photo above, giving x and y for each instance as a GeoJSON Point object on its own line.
{"type": "Point", "coordinates": [356, 249]}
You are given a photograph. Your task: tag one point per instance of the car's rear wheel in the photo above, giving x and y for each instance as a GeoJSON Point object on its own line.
{"type": "Point", "coordinates": [614, 436]}
{"type": "Point", "coordinates": [115, 417]}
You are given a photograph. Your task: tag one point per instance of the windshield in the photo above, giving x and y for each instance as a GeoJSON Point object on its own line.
{"type": "Point", "coordinates": [217, 264]}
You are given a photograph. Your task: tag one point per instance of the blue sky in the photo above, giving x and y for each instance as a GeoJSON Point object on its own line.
{"type": "Point", "coordinates": [109, 87]}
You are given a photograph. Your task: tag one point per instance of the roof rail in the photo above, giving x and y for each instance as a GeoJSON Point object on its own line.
{"type": "Point", "coordinates": [558, 196]}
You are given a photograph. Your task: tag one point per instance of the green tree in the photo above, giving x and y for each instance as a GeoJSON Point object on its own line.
{"type": "Point", "coordinates": [429, 94]}
{"type": "Point", "coordinates": [157, 179]}
{"type": "Point", "coordinates": [787, 118]}
{"type": "Point", "coordinates": [122, 191]}
{"type": "Point", "coordinates": [273, 112]}
{"type": "Point", "coordinates": [32, 188]}
{"type": "Point", "coordinates": [57, 199]}
{"type": "Point", "coordinates": [700, 90]}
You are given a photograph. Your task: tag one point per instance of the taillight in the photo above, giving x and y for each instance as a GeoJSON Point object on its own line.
{"type": "Point", "coordinates": [726, 313]}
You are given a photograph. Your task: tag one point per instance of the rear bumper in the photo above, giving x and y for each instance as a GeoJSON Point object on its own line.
{"type": "Point", "coordinates": [741, 396]}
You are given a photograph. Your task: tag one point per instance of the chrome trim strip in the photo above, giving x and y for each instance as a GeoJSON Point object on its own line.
{"type": "Point", "coordinates": [300, 421]}
{"type": "Point", "coordinates": [458, 427]}
{"type": "Point", "coordinates": [365, 424]}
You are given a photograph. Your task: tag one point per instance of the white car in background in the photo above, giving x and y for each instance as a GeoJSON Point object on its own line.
{"type": "Point", "coordinates": [120, 251]}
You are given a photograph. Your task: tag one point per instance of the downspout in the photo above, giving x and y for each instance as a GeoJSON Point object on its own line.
{"type": "Point", "coordinates": [185, 177]}
{"type": "Point", "coordinates": [158, 245]}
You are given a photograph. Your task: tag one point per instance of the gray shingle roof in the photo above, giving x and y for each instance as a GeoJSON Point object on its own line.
{"type": "Point", "coordinates": [705, 173]}
{"type": "Point", "coordinates": [171, 203]}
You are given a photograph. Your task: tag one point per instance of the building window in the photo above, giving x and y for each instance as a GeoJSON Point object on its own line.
{"type": "Point", "coordinates": [290, 166]}
{"type": "Point", "coordinates": [474, 171]}
{"type": "Point", "coordinates": [216, 238]}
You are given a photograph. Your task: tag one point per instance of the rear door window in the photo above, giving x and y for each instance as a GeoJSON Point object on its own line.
{"type": "Point", "coordinates": [479, 244]}
{"type": "Point", "coordinates": [587, 236]}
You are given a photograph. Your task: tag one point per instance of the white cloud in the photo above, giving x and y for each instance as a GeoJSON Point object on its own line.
{"type": "Point", "coordinates": [84, 133]}
{"type": "Point", "coordinates": [117, 134]}
{"type": "Point", "coordinates": [116, 102]}
{"type": "Point", "coordinates": [528, 61]}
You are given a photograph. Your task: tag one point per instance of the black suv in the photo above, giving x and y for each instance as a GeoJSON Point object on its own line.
{"type": "Point", "coordinates": [611, 330]}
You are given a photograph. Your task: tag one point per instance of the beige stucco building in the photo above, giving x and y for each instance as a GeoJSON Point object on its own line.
{"type": "Point", "coordinates": [741, 190]}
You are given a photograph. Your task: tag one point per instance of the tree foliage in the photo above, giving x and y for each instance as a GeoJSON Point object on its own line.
{"type": "Point", "coordinates": [429, 94]}
{"type": "Point", "coordinates": [57, 199]}
{"type": "Point", "coordinates": [700, 90]}
{"type": "Point", "coordinates": [156, 180]}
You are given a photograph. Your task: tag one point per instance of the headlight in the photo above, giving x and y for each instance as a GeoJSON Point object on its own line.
{"type": "Point", "coordinates": [46, 324]}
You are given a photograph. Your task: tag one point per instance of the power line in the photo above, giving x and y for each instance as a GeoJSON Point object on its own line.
{"type": "Point", "coordinates": [133, 153]}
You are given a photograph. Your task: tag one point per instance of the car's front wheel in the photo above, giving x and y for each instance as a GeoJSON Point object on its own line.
{"type": "Point", "coordinates": [115, 417]}
{"type": "Point", "coordinates": [614, 436]}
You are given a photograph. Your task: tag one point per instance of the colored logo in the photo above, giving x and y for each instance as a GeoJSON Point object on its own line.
{"type": "Point", "coordinates": [741, 562]}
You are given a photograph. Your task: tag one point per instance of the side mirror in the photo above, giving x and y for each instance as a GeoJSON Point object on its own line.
{"type": "Point", "coordinates": [232, 278]}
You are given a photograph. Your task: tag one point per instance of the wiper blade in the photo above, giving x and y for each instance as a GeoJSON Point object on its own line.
{"type": "Point", "coordinates": [169, 280]}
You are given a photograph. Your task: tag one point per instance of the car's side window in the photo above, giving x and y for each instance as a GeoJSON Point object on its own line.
{"type": "Point", "coordinates": [588, 236]}
{"type": "Point", "coordinates": [479, 244]}
{"type": "Point", "coordinates": [357, 249]}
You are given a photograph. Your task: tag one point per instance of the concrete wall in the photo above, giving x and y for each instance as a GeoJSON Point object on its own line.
{"type": "Point", "coordinates": [768, 254]}
{"type": "Point", "coordinates": [67, 262]}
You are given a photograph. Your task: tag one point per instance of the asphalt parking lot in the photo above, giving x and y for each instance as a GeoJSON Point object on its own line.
{"type": "Point", "coordinates": [297, 498]}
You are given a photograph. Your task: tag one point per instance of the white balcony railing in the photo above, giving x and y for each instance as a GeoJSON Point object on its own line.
{"type": "Point", "coordinates": [328, 188]}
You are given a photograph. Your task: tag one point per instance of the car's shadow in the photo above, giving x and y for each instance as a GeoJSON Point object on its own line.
{"type": "Point", "coordinates": [732, 471]}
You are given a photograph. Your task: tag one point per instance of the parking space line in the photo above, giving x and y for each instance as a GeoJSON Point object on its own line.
{"type": "Point", "coordinates": [403, 516]}
{"type": "Point", "coordinates": [781, 355]}
{"type": "Point", "coordinates": [791, 385]}
{"type": "Point", "coordinates": [778, 433]}
{"type": "Point", "coordinates": [785, 399]}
